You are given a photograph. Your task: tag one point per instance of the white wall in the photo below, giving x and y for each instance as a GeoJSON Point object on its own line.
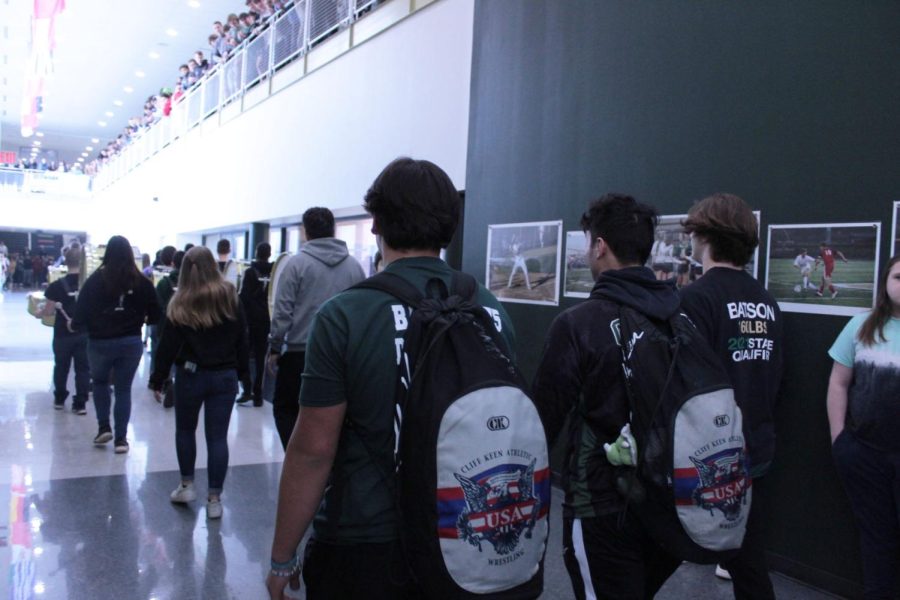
{"type": "Point", "coordinates": [320, 141]}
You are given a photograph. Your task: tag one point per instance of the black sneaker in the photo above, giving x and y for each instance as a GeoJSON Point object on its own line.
{"type": "Point", "coordinates": [244, 399]}
{"type": "Point", "coordinates": [59, 405]}
{"type": "Point", "coordinates": [121, 446]}
{"type": "Point", "coordinates": [103, 436]}
{"type": "Point", "coordinates": [79, 410]}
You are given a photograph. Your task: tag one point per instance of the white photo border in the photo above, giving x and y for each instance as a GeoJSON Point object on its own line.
{"type": "Point", "coordinates": [818, 309]}
{"type": "Point", "coordinates": [895, 209]}
{"type": "Point", "coordinates": [567, 293]}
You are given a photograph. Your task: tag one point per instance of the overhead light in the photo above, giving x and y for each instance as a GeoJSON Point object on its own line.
{"type": "Point", "coordinates": [80, 160]}
{"type": "Point", "coordinates": [171, 32]}
{"type": "Point", "coordinates": [128, 89]}
{"type": "Point", "coordinates": [95, 140]}
{"type": "Point", "coordinates": [39, 134]}
{"type": "Point", "coordinates": [84, 154]}
{"type": "Point", "coordinates": [101, 123]}
{"type": "Point", "coordinates": [193, 4]}
{"type": "Point", "coordinates": [117, 103]}
{"type": "Point", "coordinates": [138, 73]}
{"type": "Point", "coordinates": [153, 55]}
{"type": "Point", "coordinates": [109, 114]}
{"type": "Point", "coordinates": [37, 142]}
{"type": "Point", "coordinates": [88, 148]}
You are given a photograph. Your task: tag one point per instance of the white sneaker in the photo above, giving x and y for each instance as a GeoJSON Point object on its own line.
{"type": "Point", "coordinates": [183, 494]}
{"type": "Point", "coordinates": [722, 573]}
{"type": "Point", "coordinates": [834, 294]}
{"type": "Point", "coordinates": [213, 509]}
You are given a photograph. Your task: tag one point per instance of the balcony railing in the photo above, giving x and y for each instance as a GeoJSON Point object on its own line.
{"type": "Point", "coordinates": [287, 37]}
{"type": "Point", "coordinates": [57, 183]}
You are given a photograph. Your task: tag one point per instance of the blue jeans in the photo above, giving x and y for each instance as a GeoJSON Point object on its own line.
{"type": "Point", "coordinates": [119, 358]}
{"type": "Point", "coordinates": [216, 390]}
{"type": "Point", "coordinates": [66, 350]}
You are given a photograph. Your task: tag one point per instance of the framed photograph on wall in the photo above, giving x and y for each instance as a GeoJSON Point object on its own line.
{"type": "Point", "coordinates": [579, 280]}
{"type": "Point", "coordinates": [672, 257]}
{"type": "Point", "coordinates": [523, 262]}
{"type": "Point", "coordinates": [895, 233]}
{"type": "Point", "coordinates": [829, 268]}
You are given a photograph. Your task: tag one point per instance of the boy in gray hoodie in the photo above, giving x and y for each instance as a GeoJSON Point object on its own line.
{"type": "Point", "coordinates": [321, 269]}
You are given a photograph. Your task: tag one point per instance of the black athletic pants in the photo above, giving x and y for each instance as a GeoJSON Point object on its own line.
{"type": "Point", "coordinates": [611, 557]}
{"type": "Point", "coordinates": [259, 345]}
{"type": "Point", "coordinates": [871, 479]}
{"type": "Point", "coordinates": [286, 401]}
{"type": "Point", "coordinates": [749, 571]}
{"type": "Point", "coordinates": [370, 571]}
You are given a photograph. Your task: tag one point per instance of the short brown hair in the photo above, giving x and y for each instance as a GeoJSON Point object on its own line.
{"type": "Point", "coordinates": [728, 225]}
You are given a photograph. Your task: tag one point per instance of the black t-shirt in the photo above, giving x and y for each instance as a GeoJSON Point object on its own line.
{"type": "Point", "coordinates": [254, 292]}
{"type": "Point", "coordinates": [742, 323]}
{"type": "Point", "coordinates": [64, 291]}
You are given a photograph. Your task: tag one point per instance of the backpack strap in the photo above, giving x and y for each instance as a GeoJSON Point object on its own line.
{"type": "Point", "coordinates": [394, 285]}
{"type": "Point", "coordinates": [463, 284]}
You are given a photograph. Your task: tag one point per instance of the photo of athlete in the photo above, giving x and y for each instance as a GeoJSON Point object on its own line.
{"type": "Point", "coordinates": [523, 262]}
{"type": "Point", "coordinates": [826, 256]}
{"type": "Point", "coordinates": [806, 264]}
{"type": "Point", "coordinates": [802, 271]}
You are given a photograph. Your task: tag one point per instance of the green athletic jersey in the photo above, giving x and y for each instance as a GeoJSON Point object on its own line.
{"type": "Point", "coordinates": [352, 353]}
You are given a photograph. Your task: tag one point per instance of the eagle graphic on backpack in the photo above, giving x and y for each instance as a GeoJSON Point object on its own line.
{"type": "Point", "coordinates": [691, 486]}
{"type": "Point", "coordinates": [472, 476]}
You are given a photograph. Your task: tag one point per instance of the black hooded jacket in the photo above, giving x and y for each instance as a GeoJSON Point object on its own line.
{"type": "Point", "coordinates": [581, 373]}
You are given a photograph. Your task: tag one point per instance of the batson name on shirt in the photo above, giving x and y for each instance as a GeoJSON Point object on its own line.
{"type": "Point", "coordinates": [752, 320]}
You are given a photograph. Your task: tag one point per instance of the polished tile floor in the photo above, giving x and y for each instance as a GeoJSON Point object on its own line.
{"type": "Point", "coordinates": [84, 523]}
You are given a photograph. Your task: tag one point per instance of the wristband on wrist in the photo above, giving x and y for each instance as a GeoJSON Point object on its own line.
{"type": "Point", "coordinates": [286, 569]}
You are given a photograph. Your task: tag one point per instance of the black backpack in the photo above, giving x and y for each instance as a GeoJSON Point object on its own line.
{"type": "Point", "coordinates": [472, 477]}
{"type": "Point", "coordinates": [691, 486]}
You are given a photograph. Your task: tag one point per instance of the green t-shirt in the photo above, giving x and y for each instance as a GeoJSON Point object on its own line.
{"type": "Point", "coordinates": [873, 400]}
{"type": "Point", "coordinates": [352, 355]}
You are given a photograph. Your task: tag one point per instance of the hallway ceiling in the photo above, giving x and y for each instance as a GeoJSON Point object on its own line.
{"type": "Point", "coordinates": [100, 46]}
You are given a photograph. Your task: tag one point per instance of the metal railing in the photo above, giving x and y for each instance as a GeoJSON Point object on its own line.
{"type": "Point", "coordinates": [288, 36]}
{"type": "Point", "coordinates": [27, 181]}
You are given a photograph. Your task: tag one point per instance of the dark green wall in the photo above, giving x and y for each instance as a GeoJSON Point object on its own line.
{"type": "Point", "coordinates": [791, 105]}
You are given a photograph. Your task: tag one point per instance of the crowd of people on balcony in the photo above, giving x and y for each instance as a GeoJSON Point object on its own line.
{"type": "Point", "coordinates": [227, 36]}
{"type": "Point", "coordinates": [33, 163]}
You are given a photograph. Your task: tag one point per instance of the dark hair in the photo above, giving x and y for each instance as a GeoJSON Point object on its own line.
{"type": "Point", "coordinates": [118, 270]}
{"type": "Point", "coordinates": [414, 204]}
{"type": "Point", "coordinates": [176, 260]}
{"type": "Point", "coordinates": [166, 255]}
{"type": "Point", "coordinates": [223, 246]}
{"type": "Point", "coordinates": [318, 223]}
{"type": "Point", "coordinates": [183, 67]}
{"type": "Point", "coordinates": [188, 246]}
{"type": "Point", "coordinates": [882, 312]}
{"type": "Point", "coordinates": [728, 225]}
{"type": "Point", "coordinates": [625, 224]}
{"type": "Point", "coordinates": [263, 251]}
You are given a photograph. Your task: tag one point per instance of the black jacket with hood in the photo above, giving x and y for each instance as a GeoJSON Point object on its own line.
{"type": "Point", "coordinates": [581, 373]}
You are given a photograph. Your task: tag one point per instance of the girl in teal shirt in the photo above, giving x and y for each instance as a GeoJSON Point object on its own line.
{"type": "Point", "coordinates": [864, 416]}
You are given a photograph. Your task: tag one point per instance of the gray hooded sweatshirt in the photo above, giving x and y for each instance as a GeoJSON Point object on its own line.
{"type": "Point", "coordinates": [322, 269]}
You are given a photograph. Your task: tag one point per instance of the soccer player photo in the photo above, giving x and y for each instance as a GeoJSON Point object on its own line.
{"type": "Point", "coordinates": [823, 269]}
{"type": "Point", "coordinates": [523, 262]}
{"type": "Point", "coordinates": [579, 281]}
